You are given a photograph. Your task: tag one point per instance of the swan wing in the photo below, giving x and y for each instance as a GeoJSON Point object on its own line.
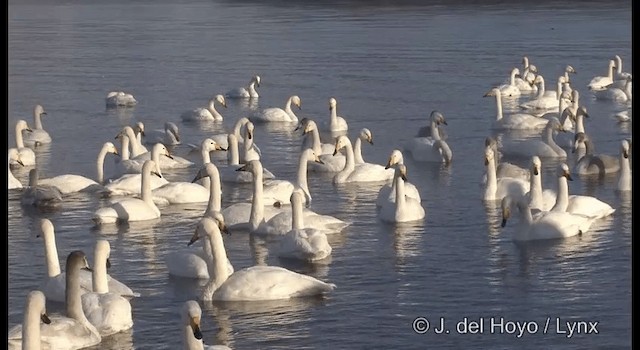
{"type": "Point", "coordinates": [110, 313]}
{"type": "Point", "coordinates": [182, 192]}
{"type": "Point", "coordinates": [70, 183]}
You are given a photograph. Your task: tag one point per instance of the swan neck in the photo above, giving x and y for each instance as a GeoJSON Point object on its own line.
{"type": "Point", "coordinates": [498, 107]}
{"type": "Point", "coordinates": [357, 151]}
{"type": "Point", "coordinates": [73, 296]}
{"type": "Point", "coordinates": [302, 171]}
{"type": "Point", "coordinates": [218, 265]}
{"type": "Point", "coordinates": [317, 145]}
{"type": "Point", "coordinates": [206, 155]}
{"type": "Point", "coordinates": [136, 144]}
{"type": "Point", "coordinates": [579, 124]}
{"type": "Point", "coordinates": [19, 140]}
{"type": "Point", "coordinates": [350, 159]}
{"type": "Point", "coordinates": [400, 193]}
{"type": "Point", "coordinates": [215, 194]}
{"type": "Point", "coordinates": [297, 217]}
{"type": "Point", "coordinates": [525, 212]}
{"type": "Point", "coordinates": [37, 120]}
{"type": "Point", "coordinates": [257, 203]}
{"type": "Point", "coordinates": [99, 274]}
{"type": "Point", "coordinates": [100, 165]}
{"type": "Point", "coordinates": [541, 89]}
{"type": "Point", "coordinates": [492, 180]}
{"type": "Point", "coordinates": [535, 195]}
{"type": "Point", "coordinates": [238, 126]}
{"type": "Point", "coordinates": [562, 198]}
{"type": "Point", "coordinates": [334, 116]}
{"type": "Point", "coordinates": [233, 153]}
{"type": "Point", "coordinates": [145, 187]}
{"type": "Point", "coordinates": [435, 132]}
{"type": "Point", "coordinates": [252, 89]}
{"type": "Point", "coordinates": [51, 254]}
{"type": "Point", "coordinates": [624, 183]}
{"type": "Point", "coordinates": [31, 326]}
{"type": "Point", "coordinates": [125, 155]}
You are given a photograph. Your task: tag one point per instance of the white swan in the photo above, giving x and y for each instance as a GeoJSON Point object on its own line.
{"type": "Point", "coordinates": [613, 93]}
{"type": "Point", "coordinates": [543, 225]}
{"type": "Point", "coordinates": [504, 169]}
{"type": "Point", "coordinates": [170, 135]}
{"type": "Point", "coordinates": [515, 121]}
{"type": "Point", "coordinates": [431, 149]}
{"type": "Point", "coordinates": [539, 199]}
{"type": "Point", "coordinates": [54, 285]}
{"type": "Point", "coordinates": [69, 331]}
{"type": "Point", "coordinates": [619, 74]}
{"type": "Point", "coordinates": [40, 195]}
{"type": "Point", "coordinates": [190, 326]}
{"type": "Point", "coordinates": [252, 283]}
{"type": "Point", "coordinates": [302, 242]}
{"type": "Point", "coordinates": [352, 172]}
{"type": "Point", "coordinates": [206, 147]}
{"type": "Point", "coordinates": [120, 99]}
{"type": "Point", "coordinates": [593, 164]}
{"type": "Point", "coordinates": [544, 100]}
{"type": "Point", "coordinates": [278, 114]}
{"type": "Point", "coordinates": [387, 192]}
{"type": "Point", "coordinates": [27, 156]}
{"type": "Point", "coordinates": [578, 204]}
{"type": "Point", "coordinates": [546, 147]}
{"type": "Point", "coordinates": [248, 92]}
{"type": "Point", "coordinates": [498, 188]}
{"type": "Point", "coordinates": [511, 89]}
{"type": "Point", "coordinates": [38, 134]}
{"type": "Point", "coordinates": [624, 181]}
{"type": "Point", "coordinates": [34, 312]}
{"type": "Point", "coordinates": [601, 82]}
{"type": "Point", "coordinates": [222, 139]}
{"type": "Point", "coordinates": [167, 162]}
{"type": "Point", "coordinates": [13, 155]}
{"type": "Point", "coordinates": [69, 183]}
{"type": "Point", "coordinates": [208, 113]}
{"type": "Point", "coordinates": [108, 311]}
{"type": "Point", "coordinates": [404, 208]}
{"type": "Point", "coordinates": [136, 147]}
{"type": "Point", "coordinates": [229, 173]}
{"type": "Point", "coordinates": [529, 70]}
{"type": "Point", "coordinates": [132, 209]}
{"type": "Point", "coordinates": [129, 184]}
{"type": "Point", "coordinates": [180, 192]}
{"type": "Point", "coordinates": [311, 138]}
{"type": "Point", "coordinates": [249, 152]}
{"type": "Point", "coordinates": [332, 163]}
{"type": "Point", "coordinates": [336, 123]}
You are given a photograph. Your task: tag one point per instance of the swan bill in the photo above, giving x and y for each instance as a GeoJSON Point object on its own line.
{"type": "Point", "coordinates": [45, 319]}
{"type": "Point", "coordinates": [195, 325]}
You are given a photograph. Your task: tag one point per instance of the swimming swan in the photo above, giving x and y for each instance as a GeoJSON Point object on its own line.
{"type": "Point", "coordinates": [108, 311]}
{"type": "Point", "coordinates": [69, 331]}
{"type": "Point", "coordinates": [190, 326]}
{"type": "Point", "coordinates": [222, 139]}
{"type": "Point", "coordinates": [208, 113]}
{"type": "Point", "coordinates": [546, 147]}
{"type": "Point", "coordinates": [515, 121]}
{"type": "Point", "coordinates": [120, 99]}
{"type": "Point", "coordinates": [618, 94]}
{"type": "Point", "coordinates": [578, 204]}
{"type": "Point", "coordinates": [248, 92]}
{"type": "Point", "coordinates": [593, 164]}
{"type": "Point", "coordinates": [311, 138]}
{"type": "Point", "coordinates": [352, 172]}
{"type": "Point", "coordinates": [601, 82]}
{"type": "Point", "coordinates": [511, 89]}
{"type": "Point", "coordinates": [132, 209]}
{"type": "Point", "coordinates": [228, 173]}
{"type": "Point", "coordinates": [34, 312]}
{"type": "Point", "coordinates": [13, 155]}
{"type": "Point", "coordinates": [38, 195]}
{"type": "Point", "coordinates": [167, 162]}
{"type": "Point", "coordinates": [249, 152]}
{"type": "Point", "coordinates": [624, 181]}
{"type": "Point", "coordinates": [619, 74]}
{"type": "Point", "coordinates": [129, 184]}
{"type": "Point", "coordinates": [252, 283]}
{"type": "Point", "coordinates": [136, 146]}
{"type": "Point", "coordinates": [539, 199]}
{"type": "Point", "coordinates": [38, 133]}
{"type": "Point", "coordinates": [404, 208]}
{"type": "Point", "coordinates": [387, 192]}
{"type": "Point", "coordinates": [545, 100]}
{"type": "Point", "coordinates": [434, 148]}
{"type": "Point", "coordinates": [27, 156]}
{"type": "Point", "coordinates": [336, 123]}
{"type": "Point", "coordinates": [497, 188]}
{"type": "Point", "coordinates": [169, 136]}
{"type": "Point", "coordinates": [504, 169]}
{"type": "Point", "coordinates": [278, 114]}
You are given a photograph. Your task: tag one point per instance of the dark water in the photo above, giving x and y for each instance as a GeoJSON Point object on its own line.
{"type": "Point", "coordinates": [388, 66]}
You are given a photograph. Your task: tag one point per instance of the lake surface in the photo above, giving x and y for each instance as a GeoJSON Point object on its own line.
{"type": "Point", "coordinates": [388, 66]}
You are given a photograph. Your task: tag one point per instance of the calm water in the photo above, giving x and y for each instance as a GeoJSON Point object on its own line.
{"type": "Point", "coordinates": [388, 67]}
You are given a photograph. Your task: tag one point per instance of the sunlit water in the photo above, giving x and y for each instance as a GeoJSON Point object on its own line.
{"type": "Point", "coordinates": [388, 67]}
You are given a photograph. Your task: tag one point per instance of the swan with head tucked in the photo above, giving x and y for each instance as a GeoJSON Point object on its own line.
{"type": "Point", "coordinates": [497, 188]}
{"type": "Point", "coordinates": [190, 326]}
{"type": "Point", "coordinates": [624, 181]}
{"type": "Point", "coordinates": [578, 204]}
{"type": "Point", "coordinates": [404, 208]}
{"type": "Point", "coordinates": [34, 312]}
{"type": "Point", "coordinates": [170, 135]}
{"type": "Point", "coordinates": [27, 156]}
{"type": "Point", "coordinates": [133, 209]}
{"type": "Point", "coordinates": [14, 155]}
{"type": "Point", "coordinates": [336, 123]}
{"type": "Point", "coordinates": [352, 172]}
{"type": "Point", "coordinates": [275, 114]}
{"type": "Point", "coordinates": [120, 99]}
{"type": "Point", "coordinates": [601, 82]}
{"type": "Point", "coordinates": [302, 242]}
{"type": "Point", "coordinates": [252, 283]}
{"type": "Point", "coordinates": [69, 331]}
{"type": "Point", "coordinates": [613, 93]}
{"type": "Point", "coordinates": [387, 192]}
{"type": "Point", "coordinates": [545, 224]}
{"type": "Point", "coordinates": [431, 149]}
{"type": "Point", "coordinates": [515, 121]}
{"type": "Point", "coordinates": [208, 113]}
{"type": "Point", "coordinates": [108, 311]}
{"type": "Point", "coordinates": [246, 92]}
{"type": "Point", "coordinates": [38, 195]}
{"type": "Point", "coordinates": [590, 163]}
{"type": "Point", "coordinates": [539, 199]}
{"type": "Point", "coordinates": [545, 100]}
{"type": "Point", "coordinates": [546, 147]}
{"type": "Point", "coordinates": [38, 134]}
{"type": "Point", "coordinates": [511, 89]}
{"type": "Point", "coordinates": [54, 285]}
{"type": "Point", "coordinates": [70, 183]}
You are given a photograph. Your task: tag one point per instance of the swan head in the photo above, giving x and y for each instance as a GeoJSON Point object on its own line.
{"type": "Point", "coordinates": [109, 147]}
{"type": "Point", "coordinates": [296, 101]}
{"type": "Point", "coordinates": [77, 260]}
{"type": "Point", "coordinates": [341, 142]}
{"type": "Point", "coordinates": [161, 150]}
{"type": "Point", "coordinates": [309, 127]}
{"type": "Point", "coordinates": [22, 125]}
{"type": "Point", "coordinates": [102, 252]}
{"type": "Point", "coordinates": [578, 139]}
{"type": "Point", "coordinates": [570, 69]}
{"type": "Point", "coordinates": [488, 156]}
{"type": "Point", "coordinates": [172, 128]}
{"type": "Point", "coordinates": [332, 103]}
{"type": "Point", "coordinates": [248, 130]}
{"type": "Point", "coordinates": [191, 314]}
{"type": "Point", "coordinates": [220, 99]}
{"type": "Point", "coordinates": [394, 158]}
{"type": "Point", "coordinates": [208, 226]}
{"type": "Point", "coordinates": [33, 177]}
{"type": "Point", "coordinates": [139, 128]}
{"type": "Point", "coordinates": [536, 164]}
{"type": "Point", "coordinates": [253, 166]}
{"type": "Point", "coordinates": [401, 171]}
{"type": "Point", "coordinates": [490, 142]}
{"type": "Point", "coordinates": [437, 117]}
{"type": "Point", "coordinates": [302, 124]}
{"type": "Point", "coordinates": [256, 79]}
{"type": "Point", "coordinates": [533, 68]}
{"type": "Point", "coordinates": [311, 155]}
{"type": "Point", "coordinates": [505, 205]}
{"type": "Point", "coordinates": [207, 170]}
{"type": "Point", "coordinates": [563, 171]}
{"type": "Point", "coordinates": [37, 302]}
{"type": "Point", "coordinates": [492, 92]}
{"type": "Point", "coordinates": [365, 135]}
{"type": "Point", "coordinates": [45, 228]}
{"type": "Point", "coordinates": [38, 110]}
{"type": "Point", "coordinates": [612, 64]}
{"type": "Point", "coordinates": [210, 145]}
{"type": "Point", "coordinates": [515, 72]}
{"type": "Point", "coordinates": [151, 167]}
{"type": "Point", "coordinates": [14, 155]}
{"type": "Point", "coordinates": [625, 148]}
{"type": "Point", "coordinates": [554, 124]}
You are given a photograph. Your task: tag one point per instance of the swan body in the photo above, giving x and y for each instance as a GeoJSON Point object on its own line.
{"type": "Point", "coordinates": [167, 162]}
{"type": "Point", "coordinates": [515, 121]}
{"type": "Point", "coordinates": [544, 100]}
{"type": "Point", "coordinates": [505, 169]}
{"type": "Point", "coordinates": [577, 204]}
{"type": "Point", "coordinates": [546, 147]}
{"type": "Point", "coordinates": [132, 209]}
{"type": "Point", "coordinates": [612, 93]}
{"type": "Point", "coordinates": [404, 208]}
{"type": "Point", "coordinates": [191, 333]}
{"type": "Point", "coordinates": [120, 99]}
{"type": "Point", "coordinates": [208, 113]}
{"type": "Point", "coordinates": [387, 192]}
{"type": "Point", "coordinates": [511, 88]}
{"type": "Point", "coordinates": [336, 122]}
{"type": "Point", "coordinates": [38, 134]}
{"type": "Point", "coordinates": [169, 136]}
{"type": "Point", "coordinates": [593, 164]}
{"type": "Point", "coordinates": [180, 192]}
{"type": "Point", "coordinates": [434, 148]}
{"type": "Point", "coordinates": [366, 172]}
{"type": "Point", "coordinates": [278, 114]}
{"type": "Point", "coordinates": [13, 155]}
{"type": "Point", "coordinates": [624, 181]}
{"type": "Point", "coordinates": [498, 188]}
{"type": "Point", "coordinates": [539, 199]}
{"type": "Point", "coordinates": [252, 283]}
{"type": "Point", "coordinates": [40, 195]}
{"type": "Point", "coordinates": [27, 156]}
{"type": "Point", "coordinates": [601, 82]}
{"type": "Point", "coordinates": [246, 92]}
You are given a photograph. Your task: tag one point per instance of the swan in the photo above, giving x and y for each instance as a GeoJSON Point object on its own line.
{"type": "Point", "coordinates": [336, 123]}
{"type": "Point", "coordinates": [69, 183]}
{"type": "Point", "coordinates": [129, 184]}
{"type": "Point", "coordinates": [505, 169]}
{"type": "Point", "coordinates": [516, 121]}
{"type": "Point", "coordinates": [545, 147]}
{"type": "Point", "coordinates": [593, 164]}
{"type": "Point", "coordinates": [206, 147]}
{"type": "Point", "coordinates": [38, 134]}
{"type": "Point", "coordinates": [330, 163]}
{"type": "Point", "coordinates": [229, 173]}
{"type": "Point", "coordinates": [511, 88]}
{"type": "Point", "coordinates": [108, 311]}
{"type": "Point", "coordinates": [569, 70]}
{"type": "Point", "coordinates": [278, 114]}
{"type": "Point", "coordinates": [431, 149]}
{"type": "Point", "coordinates": [40, 195]}
{"type": "Point", "coordinates": [34, 312]}
{"type": "Point", "coordinates": [365, 172]}
{"type": "Point", "coordinates": [169, 136]}
{"type": "Point", "coordinates": [54, 285]}
{"type": "Point", "coordinates": [543, 225]}
{"type": "Point", "coordinates": [167, 162]}
{"type": "Point", "coordinates": [27, 156]}
{"type": "Point", "coordinates": [624, 181]}
{"type": "Point", "coordinates": [614, 93]}
{"type": "Point", "coordinates": [249, 152]}
{"type": "Point", "coordinates": [14, 155]}
{"type": "Point", "coordinates": [497, 188]}
{"type": "Point", "coordinates": [69, 331]}
{"type": "Point", "coordinates": [539, 199]}
{"type": "Point", "coordinates": [206, 113]}
{"type": "Point", "coordinates": [136, 147]}
{"type": "Point", "coordinates": [578, 204]}
{"type": "Point", "coordinates": [248, 92]}
{"type": "Point", "coordinates": [120, 99]}
{"type": "Point", "coordinates": [222, 139]}
{"type": "Point", "coordinates": [180, 192]}
{"type": "Point", "coordinates": [252, 283]}
{"type": "Point", "coordinates": [530, 71]}
{"type": "Point", "coordinates": [387, 192]}
{"type": "Point", "coordinates": [601, 82]}
{"type": "Point", "coordinates": [311, 138]}
{"type": "Point", "coordinates": [404, 208]}
{"type": "Point", "coordinates": [138, 130]}
{"type": "Point", "coordinates": [128, 165]}
{"type": "Point", "coordinates": [302, 242]}
{"type": "Point", "coordinates": [191, 334]}
{"type": "Point", "coordinates": [619, 74]}
{"type": "Point", "coordinates": [544, 100]}
{"type": "Point", "coordinates": [132, 209]}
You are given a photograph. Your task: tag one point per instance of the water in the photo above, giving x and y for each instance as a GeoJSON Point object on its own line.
{"type": "Point", "coordinates": [388, 66]}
